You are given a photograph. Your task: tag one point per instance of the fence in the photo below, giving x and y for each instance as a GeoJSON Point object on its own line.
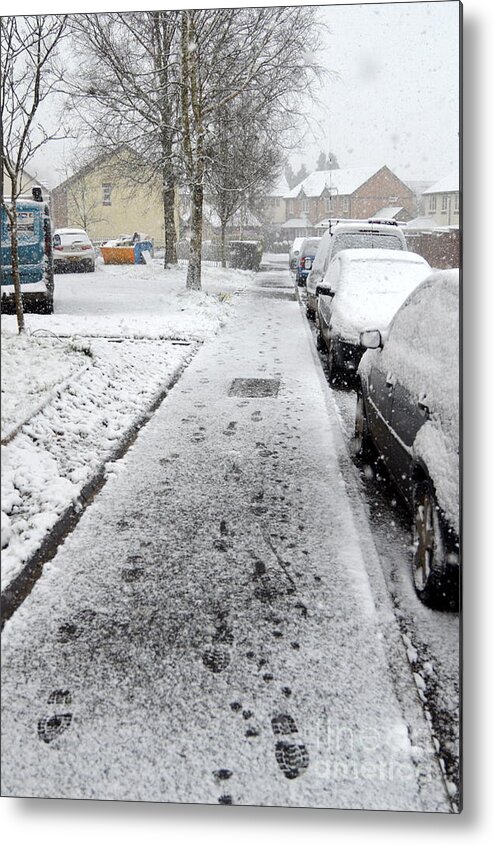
{"type": "Point", "coordinates": [441, 248]}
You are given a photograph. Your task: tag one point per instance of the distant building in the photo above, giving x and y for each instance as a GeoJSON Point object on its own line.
{"type": "Point", "coordinates": [275, 203]}
{"type": "Point", "coordinates": [103, 200]}
{"type": "Point", "coordinates": [356, 193]}
{"type": "Point", "coordinates": [28, 182]}
{"type": "Point", "coordinates": [442, 200]}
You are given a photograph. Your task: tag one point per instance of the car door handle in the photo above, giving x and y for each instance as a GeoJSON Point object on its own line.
{"type": "Point", "coordinates": [423, 406]}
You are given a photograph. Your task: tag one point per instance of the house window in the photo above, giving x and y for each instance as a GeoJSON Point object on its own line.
{"type": "Point", "coordinates": [345, 204]}
{"type": "Point", "coordinates": [432, 204]}
{"type": "Point", "coordinates": [444, 203]}
{"type": "Point", "coordinates": [457, 202]}
{"type": "Point", "coordinates": [106, 193]}
{"type": "Point", "coordinates": [328, 202]}
{"type": "Point", "coordinates": [305, 205]}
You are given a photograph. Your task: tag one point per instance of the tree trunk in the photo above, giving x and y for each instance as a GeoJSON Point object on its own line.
{"type": "Point", "coordinates": [14, 248]}
{"type": "Point", "coordinates": [194, 268]}
{"type": "Point", "coordinates": [170, 232]}
{"type": "Point", "coordinates": [223, 243]}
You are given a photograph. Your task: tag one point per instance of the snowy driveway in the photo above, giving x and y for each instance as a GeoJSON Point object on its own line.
{"type": "Point", "coordinates": [208, 633]}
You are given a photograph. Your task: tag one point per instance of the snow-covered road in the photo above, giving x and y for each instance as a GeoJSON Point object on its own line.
{"type": "Point", "coordinates": [209, 632]}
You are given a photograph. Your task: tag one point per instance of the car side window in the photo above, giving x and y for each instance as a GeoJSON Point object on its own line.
{"type": "Point", "coordinates": [333, 274]}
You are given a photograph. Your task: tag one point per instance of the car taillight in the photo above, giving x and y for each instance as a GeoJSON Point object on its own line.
{"type": "Point", "coordinates": [86, 246]}
{"type": "Point", "coordinates": [58, 247]}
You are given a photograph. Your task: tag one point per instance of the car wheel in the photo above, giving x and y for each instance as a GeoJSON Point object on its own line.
{"type": "Point", "coordinates": [361, 443]}
{"type": "Point", "coordinates": [309, 314]}
{"type": "Point", "coordinates": [435, 580]}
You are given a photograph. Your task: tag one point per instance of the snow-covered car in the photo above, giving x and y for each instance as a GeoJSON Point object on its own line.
{"type": "Point", "coordinates": [362, 287]}
{"type": "Point", "coordinates": [349, 235]}
{"type": "Point", "coordinates": [72, 251]}
{"type": "Point", "coordinates": [408, 409]}
{"type": "Point", "coordinates": [305, 258]}
{"type": "Point", "coordinates": [294, 251]}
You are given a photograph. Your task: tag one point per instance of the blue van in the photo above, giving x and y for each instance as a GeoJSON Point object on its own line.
{"type": "Point", "coordinates": [35, 252]}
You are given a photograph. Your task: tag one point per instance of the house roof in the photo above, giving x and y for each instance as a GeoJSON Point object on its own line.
{"type": "Point", "coordinates": [280, 188]}
{"type": "Point", "coordinates": [345, 181]}
{"type": "Point", "coordinates": [422, 223]}
{"type": "Point", "coordinates": [447, 185]}
{"type": "Point", "coordinates": [297, 223]}
{"type": "Point", "coordinates": [249, 220]}
{"type": "Point", "coordinates": [390, 211]}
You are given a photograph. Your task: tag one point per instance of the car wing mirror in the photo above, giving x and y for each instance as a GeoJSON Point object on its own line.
{"type": "Point", "coordinates": [325, 290]}
{"type": "Point", "coordinates": [371, 339]}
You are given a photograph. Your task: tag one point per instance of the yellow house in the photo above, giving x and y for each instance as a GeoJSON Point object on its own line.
{"type": "Point", "coordinates": [106, 202]}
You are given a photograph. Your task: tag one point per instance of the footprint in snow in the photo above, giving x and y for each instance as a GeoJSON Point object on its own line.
{"type": "Point", "coordinates": [292, 757]}
{"type": "Point", "coordinates": [51, 727]}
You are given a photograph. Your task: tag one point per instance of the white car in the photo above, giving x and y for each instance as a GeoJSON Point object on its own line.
{"type": "Point", "coordinates": [362, 288]}
{"type": "Point", "coordinates": [73, 251]}
{"type": "Point", "coordinates": [353, 234]}
{"type": "Point", "coordinates": [294, 251]}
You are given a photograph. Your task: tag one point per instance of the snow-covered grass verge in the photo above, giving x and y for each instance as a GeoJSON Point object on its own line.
{"type": "Point", "coordinates": [76, 383]}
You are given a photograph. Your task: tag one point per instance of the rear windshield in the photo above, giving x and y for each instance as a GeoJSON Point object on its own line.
{"type": "Point", "coordinates": [68, 238]}
{"type": "Point", "coordinates": [365, 240]}
{"type": "Point", "coordinates": [311, 246]}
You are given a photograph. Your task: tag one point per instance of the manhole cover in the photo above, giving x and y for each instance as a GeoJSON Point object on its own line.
{"type": "Point", "coordinates": [254, 387]}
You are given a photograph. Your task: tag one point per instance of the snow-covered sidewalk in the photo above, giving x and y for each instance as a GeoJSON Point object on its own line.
{"type": "Point", "coordinates": [79, 381]}
{"type": "Point", "coordinates": [208, 632]}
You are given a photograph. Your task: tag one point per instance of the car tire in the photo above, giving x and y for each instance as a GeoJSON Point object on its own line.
{"type": "Point", "coordinates": [310, 314]}
{"type": "Point", "coordinates": [434, 578]}
{"type": "Point", "coordinates": [362, 448]}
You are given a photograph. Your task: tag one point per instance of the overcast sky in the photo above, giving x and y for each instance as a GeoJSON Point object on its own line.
{"type": "Point", "coordinates": [395, 100]}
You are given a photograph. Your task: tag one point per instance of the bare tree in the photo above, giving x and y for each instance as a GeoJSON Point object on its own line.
{"type": "Point", "coordinates": [243, 162]}
{"type": "Point", "coordinates": [29, 76]}
{"type": "Point", "coordinates": [224, 55]}
{"type": "Point", "coordinates": [125, 94]}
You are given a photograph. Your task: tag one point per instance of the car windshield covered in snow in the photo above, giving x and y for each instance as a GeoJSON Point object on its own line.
{"type": "Point", "coordinates": [365, 240]}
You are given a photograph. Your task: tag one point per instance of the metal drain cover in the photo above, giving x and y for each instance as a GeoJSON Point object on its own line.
{"type": "Point", "coordinates": [257, 388]}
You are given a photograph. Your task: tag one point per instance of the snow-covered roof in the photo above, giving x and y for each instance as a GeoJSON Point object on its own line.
{"type": "Point", "coordinates": [421, 223]}
{"type": "Point", "coordinates": [297, 223]}
{"type": "Point", "coordinates": [280, 188]}
{"type": "Point", "coordinates": [248, 219]}
{"type": "Point", "coordinates": [447, 185]}
{"type": "Point", "coordinates": [344, 181]}
{"type": "Point", "coordinates": [390, 211]}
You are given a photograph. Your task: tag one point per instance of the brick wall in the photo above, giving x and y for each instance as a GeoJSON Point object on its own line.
{"type": "Point", "coordinates": [381, 190]}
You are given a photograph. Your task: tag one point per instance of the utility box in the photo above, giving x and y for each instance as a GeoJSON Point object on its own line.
{"type": "Point", "coordinates": [245, 255]}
